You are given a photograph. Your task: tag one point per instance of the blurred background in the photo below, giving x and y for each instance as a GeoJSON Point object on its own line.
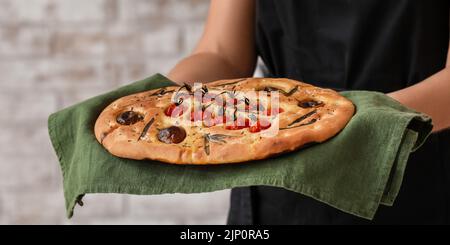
{"type": "Point", "coordinates": [55, 53]}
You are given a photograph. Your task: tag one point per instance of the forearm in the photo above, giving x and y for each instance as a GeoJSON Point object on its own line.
{"type": "Point", "coordinates": [431, 96]}
{"type": "Point", "coordinates": [204, 67]}
{"type": "Point", "coordinates": [227, 47]}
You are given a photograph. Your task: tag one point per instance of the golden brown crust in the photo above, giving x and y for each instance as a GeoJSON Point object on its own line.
{"type": "Point", "coordinates": [324, 120]}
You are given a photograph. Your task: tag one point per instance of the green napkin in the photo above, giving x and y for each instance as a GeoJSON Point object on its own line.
{"type": "Point", "coordinates": [355, 171]}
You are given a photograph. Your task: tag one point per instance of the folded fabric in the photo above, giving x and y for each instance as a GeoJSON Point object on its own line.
{"type": "Point", "coordinates": [355, 171]}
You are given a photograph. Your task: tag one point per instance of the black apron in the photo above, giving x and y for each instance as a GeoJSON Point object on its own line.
{"type": "Point", "coordinates": [379, 45]}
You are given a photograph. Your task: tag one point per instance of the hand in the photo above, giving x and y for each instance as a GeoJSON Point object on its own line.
{"type": "Point", "coordinates": [431, 96]}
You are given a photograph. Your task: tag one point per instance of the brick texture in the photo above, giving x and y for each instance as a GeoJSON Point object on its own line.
{"type": "Point", "coordinates": [55, 53]}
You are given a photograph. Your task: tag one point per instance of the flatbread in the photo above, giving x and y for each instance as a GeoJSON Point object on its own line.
{"type": "Point", "coordinates": [226, 121]}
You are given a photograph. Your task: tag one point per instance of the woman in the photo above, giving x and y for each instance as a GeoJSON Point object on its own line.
{"type": "Point", "coordinates": [396, 47]}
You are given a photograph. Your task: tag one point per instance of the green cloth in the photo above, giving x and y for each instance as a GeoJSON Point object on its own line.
{"type": "Point", "coordinates": [355, 171]}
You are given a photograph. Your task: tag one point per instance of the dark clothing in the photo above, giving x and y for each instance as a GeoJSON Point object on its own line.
{"type": "Point", "coordinates": [377, 45]}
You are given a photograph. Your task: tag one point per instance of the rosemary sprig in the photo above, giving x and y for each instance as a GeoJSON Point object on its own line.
{"type": "Point", "coordinates": [161, 92]}
{"type": "Point", "coordinates": [214, 138]}
{"type": "Point", "coordinates": [291, 92]}
{"type": "Point", "coordinates": [146, 128]}
{"type": "Point", "coordinates": [303, 124]}
{"type": "Point", "coordinates": [206, 144]}
{"type": "Point", "coordinates": [186, 86]}
{"type": "Point", "coordinates": [218, 138]}
{"type": "Point", "coordinates": [303, 117]}
{"type": "Point", "coordinates": [230, 83]}
{"type": "Point", "coordinates": [233, 94]}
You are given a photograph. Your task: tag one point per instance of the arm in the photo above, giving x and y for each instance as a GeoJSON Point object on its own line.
{"type": "Point", "coordinates": [431, 96]}
{"type": "Point", "coordinates": [226, 48]}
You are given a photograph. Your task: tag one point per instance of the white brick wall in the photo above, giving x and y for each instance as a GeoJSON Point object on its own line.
{"type": "Point", "coordinates": [54, 53]}
{"type": "Point", "coordinates": [80, 11]}
{"type": "Point", "coordinates": [24, 11]}
{"type": "Point", "coordinates": [23, 42]}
